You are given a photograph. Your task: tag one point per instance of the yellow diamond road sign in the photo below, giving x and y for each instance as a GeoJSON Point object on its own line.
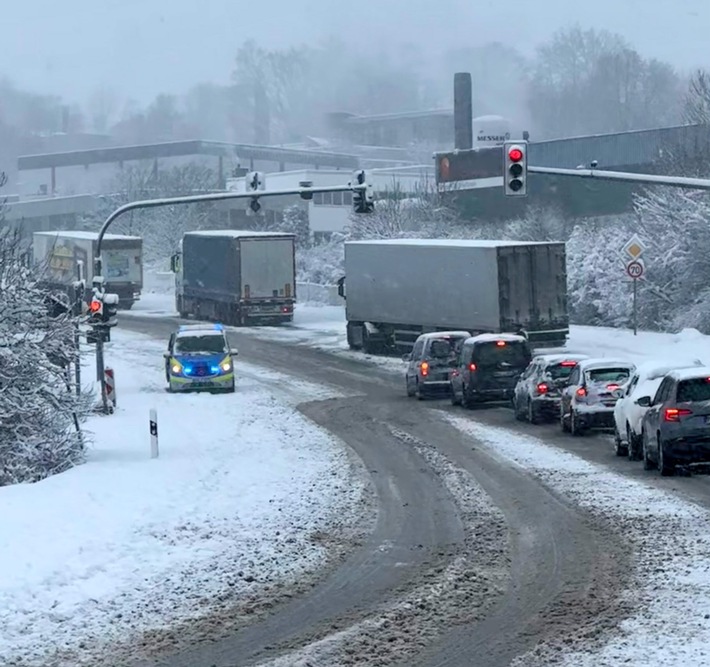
{"type": "Point", "coordinates": [634, 247]}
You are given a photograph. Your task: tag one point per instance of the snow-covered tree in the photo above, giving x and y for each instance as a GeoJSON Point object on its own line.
{"type": "Point", "coordinates": [676, 226]}
{"type": "Point", "coordinates": [161, 228]}
{"type": "Point", "coordinates": [39, 414]}
{"type": "Point", "coordinates": [422, 213]}
{"type": "Point", "coordinates": [540, 223]}
{"type": "Point", "coordinates": [696, 108]}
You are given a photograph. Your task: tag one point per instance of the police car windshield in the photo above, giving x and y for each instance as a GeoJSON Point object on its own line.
{"type": "Point", "coordinates": [196, 343]}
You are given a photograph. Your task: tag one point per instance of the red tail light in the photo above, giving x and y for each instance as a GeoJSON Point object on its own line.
{"type": "Point", "coordinates": [542, 388]}
{"type": "Point", "coordinates": [674, 414]}
{"type": "Point", "coordinates": [425, 368]}
{"type": "Point", "coordinates": [567, 364]}
{"type": "Point", "coordinates": [612, 387]}
{"type": "Point", "coordinates": [581, 391]}
{"type": "Point", "coordinates": [472, 367]}
{"type": "Point", "coordinates": [500, 343]}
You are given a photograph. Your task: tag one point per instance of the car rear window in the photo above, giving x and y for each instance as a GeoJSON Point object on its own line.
{"type": "Point", "coordinates": [609, 374]}
{"type": "Point", "coordinates": [693, 390]}
{"type": "Point", "coordinates": [560, 372]}
{"type": "Point", "coordinates": [512, 354]}
{"type": "Point", "coordinates": [443, 348]}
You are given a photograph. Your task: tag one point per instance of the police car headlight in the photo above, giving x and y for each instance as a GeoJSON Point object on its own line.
{"type": "Point", "coordinates": [176, 367]}
{"type": "Point", "coordinates": [226, 366]}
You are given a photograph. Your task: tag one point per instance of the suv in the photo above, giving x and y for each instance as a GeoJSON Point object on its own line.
{"type": "Point", "coordinates": [430, 361]}
{"type": "Point", "coordinates": [676, 426]}
{"type": "Point", "coordinates": [589, 399]}
{"type": "Point", "coordinates": [537, 394]}
{"type": "Point", "coordinates": [199, 357]}
{"type": "Point", "coordinates": [488, 368]}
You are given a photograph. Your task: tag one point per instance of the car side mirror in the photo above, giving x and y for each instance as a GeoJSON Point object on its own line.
{"type": "Point", "coordinates": [406, 357]}
{"type": "Point", "coordinates": [644, 402]}
{"type": "Point", "coordinates": [166, 355]}
{"type": "Point", "coordinates": [234, 352]}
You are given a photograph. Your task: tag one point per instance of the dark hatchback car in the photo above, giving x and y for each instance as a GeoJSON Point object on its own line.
{"type": "Point", "coordinates": [676, 427]}
{"type": "Point", "coordinates": [488, 368]}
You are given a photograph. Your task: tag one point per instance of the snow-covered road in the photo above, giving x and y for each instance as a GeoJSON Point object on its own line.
{"type": "Point", "coordinates": [671, 541]}
{"type": "Point", "coordinates": [232, 509]}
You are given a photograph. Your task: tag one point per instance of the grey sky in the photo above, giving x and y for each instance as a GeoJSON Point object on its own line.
{"type": "Point", "coordinates": [139, 48]}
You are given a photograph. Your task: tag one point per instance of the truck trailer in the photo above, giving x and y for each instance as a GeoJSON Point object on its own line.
{"type": "Point", "coordinates": [57, 255]}
{"type": "Point", "coordinates": [236, 277]}
{"type": "Point", "coordinates": [395, 290]}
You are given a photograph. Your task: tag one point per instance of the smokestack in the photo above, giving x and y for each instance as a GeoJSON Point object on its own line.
{"type": "Point", "coordinates": [463, 111]}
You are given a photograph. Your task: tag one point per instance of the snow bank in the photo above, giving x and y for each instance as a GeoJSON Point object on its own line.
{"type": "Point", "coordinates": [125, 544]}
{"type": "Point", "coordinates": [671, 537]}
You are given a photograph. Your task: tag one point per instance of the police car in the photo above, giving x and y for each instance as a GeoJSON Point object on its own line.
{"type": "Point", "coordinates": [199, 357]}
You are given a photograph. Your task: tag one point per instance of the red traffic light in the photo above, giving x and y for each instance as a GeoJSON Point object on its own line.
{"type": "Point", "coordinates": [515, 154]}
{"type": "Point", "coordinates": [95, 306]}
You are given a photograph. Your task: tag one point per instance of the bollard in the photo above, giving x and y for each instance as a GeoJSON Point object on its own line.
{"type": "Point", "coordinates": [153, 434]}
{"type": "Point", "coordinates": [110, 384]}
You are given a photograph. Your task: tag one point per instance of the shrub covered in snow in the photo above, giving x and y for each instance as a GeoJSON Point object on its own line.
{"type": "Point", "coordinates": [39, 414]}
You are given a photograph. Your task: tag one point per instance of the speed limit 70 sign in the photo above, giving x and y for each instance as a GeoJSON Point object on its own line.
{"type": "Point", "coordinates": [634, 269]}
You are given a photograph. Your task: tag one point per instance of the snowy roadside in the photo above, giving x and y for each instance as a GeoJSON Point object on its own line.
{"type": "Point", "coordinates": [115, 552]}
{"type": "Point", "coordinates": [671, 538]}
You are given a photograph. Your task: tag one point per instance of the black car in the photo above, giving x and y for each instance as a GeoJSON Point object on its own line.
{"type": "Point", "coordinates": [488, 368]}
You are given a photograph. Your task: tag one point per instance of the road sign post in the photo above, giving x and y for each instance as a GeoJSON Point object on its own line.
{"type": "Point", "coordinates": [635, 268]}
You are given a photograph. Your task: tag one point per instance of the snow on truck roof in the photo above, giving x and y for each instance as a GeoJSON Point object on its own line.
{"type": "Point", "coordinates": [239, 233]}
{"type": "Point", "coordinates": [89, 236]}
{"type": "Point", "coordinates": [451, 243]}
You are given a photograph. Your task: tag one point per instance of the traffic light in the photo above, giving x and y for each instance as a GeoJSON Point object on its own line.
{"type": "Point", "coordinates": [515, 178]}
{"type": "Point", "coordinates": [110, 310]}
{"type": "Point", "coordinates": [363, 200]}
{"type": "Point", "coordinates": [254, 181]}
{"type": "Point", "coordinates": [95, 311]}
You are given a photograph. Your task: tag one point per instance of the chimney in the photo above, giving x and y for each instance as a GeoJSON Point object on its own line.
{"type": "Point", "coordinates": [463, 111]}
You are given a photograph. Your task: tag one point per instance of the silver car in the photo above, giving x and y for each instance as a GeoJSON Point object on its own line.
{"type": "Point", "coordinates": [676, 426]}
{"type": "Point", "coordinates": [430, 362]}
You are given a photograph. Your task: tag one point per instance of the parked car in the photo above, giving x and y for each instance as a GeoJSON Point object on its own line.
{"type": "Point", "coordinates": [538, 392]}
{"type": "Point", "coordinates": [588, 401]}
{"type": "Point", "coordinates": [628, 414]}
{"type": "Point", "coordinates": [488, 368]}
{"type": "Point", "coordinates": [431, 359]}
{"type": "Point", "coordinates": [676, 426]}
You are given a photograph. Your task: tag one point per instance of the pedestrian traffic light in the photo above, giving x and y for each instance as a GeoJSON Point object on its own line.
{"type": "Point", "coordinates": [515, 157]}
{"type": "Point", "coordinates": [363, 199]}
{"type": "Point", "coordinates": [110, 310]}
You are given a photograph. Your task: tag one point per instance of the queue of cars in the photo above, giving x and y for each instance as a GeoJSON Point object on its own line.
{"type": "Point", "coordinates": [659, 412]}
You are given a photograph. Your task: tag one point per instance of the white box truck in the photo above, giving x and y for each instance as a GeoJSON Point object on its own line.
{"type": "Point", "coordinates": [395, 290]}
{"type": "Point", "coordinates": [236, 277]}
{"type": "Point", "coordinates": [57, 255]}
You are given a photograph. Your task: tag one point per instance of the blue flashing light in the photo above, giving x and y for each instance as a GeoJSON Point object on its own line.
{"type": "Point", "coordinates": [218, 327]}
{"type": "Point", "coordinates": [214, 369]}
{"type": "Point", "coordinates": [188, 370]}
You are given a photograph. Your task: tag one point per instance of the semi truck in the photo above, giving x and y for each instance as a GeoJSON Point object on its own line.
{"type": "Point", "coordinates": [58, 254]}
{"type": "Point", "coordinates": [395, 290]}
{"type": "Point", "coordinates": [236, 277]}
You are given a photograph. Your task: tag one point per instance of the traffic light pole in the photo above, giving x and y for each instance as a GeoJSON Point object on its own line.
{"type": "Point", "coordinates": [304, 192]}
{"type": "Point", "coordinates": [626, 177]}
